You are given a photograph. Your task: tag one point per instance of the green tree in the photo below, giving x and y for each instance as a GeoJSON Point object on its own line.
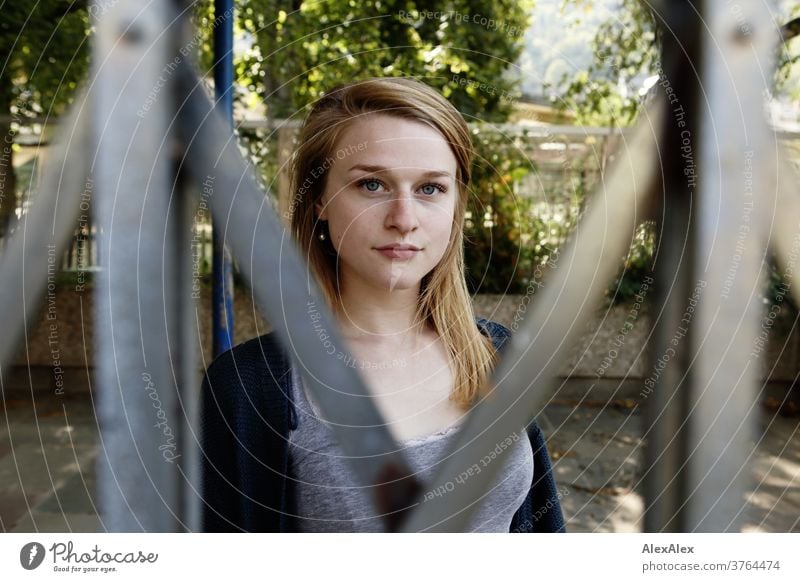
{"type": "Point", "coordinates": [300, 49]}
{"type": "Point", "coordinates": [625, 50]}
{"type": "Point", "coordinates": [44, 57]}
{"type": "Point", "coordinates": [464, 48]}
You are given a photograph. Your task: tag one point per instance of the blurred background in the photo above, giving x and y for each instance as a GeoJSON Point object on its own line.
{"type": "Point", "coordinates": [546, 87]}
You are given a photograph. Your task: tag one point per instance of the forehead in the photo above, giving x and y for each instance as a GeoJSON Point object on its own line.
{"type": "Point", "coordinates": [393, 142]}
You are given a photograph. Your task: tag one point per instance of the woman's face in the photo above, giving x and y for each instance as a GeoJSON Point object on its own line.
{"type": "Point", "coordinates": [392, 182]}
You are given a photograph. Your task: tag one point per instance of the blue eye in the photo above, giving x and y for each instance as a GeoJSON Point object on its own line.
{"type": "Point", "coordinates": [374, 185]}
{"type": "Point", "coordinates": [436, 188]}
{"type": "Point", "coordinates": [368, 184]}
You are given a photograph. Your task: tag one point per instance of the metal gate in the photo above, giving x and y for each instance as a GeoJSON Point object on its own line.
{"type": "Point", "coordinates": [150, 136]}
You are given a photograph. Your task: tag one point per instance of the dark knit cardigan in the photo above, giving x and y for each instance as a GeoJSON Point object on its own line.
{"type": "Point", "coordinates": [245, 423]}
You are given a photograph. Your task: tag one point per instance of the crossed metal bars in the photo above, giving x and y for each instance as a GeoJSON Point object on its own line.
{"type": "Point", "coordinates": [147, 339]}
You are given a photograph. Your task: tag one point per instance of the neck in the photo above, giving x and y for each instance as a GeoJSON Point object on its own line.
{"type": "Point", "coordinates": [379, 316]}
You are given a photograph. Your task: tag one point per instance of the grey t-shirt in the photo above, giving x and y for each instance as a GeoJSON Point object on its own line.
{"type": "Point", "coordinates": [330, 500]}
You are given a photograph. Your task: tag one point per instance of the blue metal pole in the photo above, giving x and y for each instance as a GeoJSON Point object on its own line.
{"type": "Point", "coordinates": [222, 290]}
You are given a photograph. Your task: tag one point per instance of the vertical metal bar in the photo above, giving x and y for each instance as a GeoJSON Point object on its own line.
{"type": "Point", "coordinates": [189, 346]}
{"type": "Point", "coordinates": [137, 413]}
{"type": "Point", "coordinates": [222, 286]}
{"type": "Point", "coordinates": [664, 391]}
{"type": "Point", "coordinates": [736, 156]}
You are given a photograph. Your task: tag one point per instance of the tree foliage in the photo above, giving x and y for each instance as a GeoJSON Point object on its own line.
{"type": "Point", "coordinates": [288, 53]}
{"type": "Point", "coordinates": [46, 55]}
{"type": "Point", "coordinates": [625, 51]}
{"type": "Point", "coordinates": [300, 49]}
{"type": "Point", "coordinates": [466, 49]}
{"type": "Point", "coordinates": [44, 58]}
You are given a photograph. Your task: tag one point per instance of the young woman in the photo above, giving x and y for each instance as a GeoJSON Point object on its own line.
{"type": "Point", "coordinates": [380, 185]}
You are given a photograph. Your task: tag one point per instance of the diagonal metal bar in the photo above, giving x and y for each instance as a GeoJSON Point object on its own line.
{"type": "Point", "coordinates": [284, 288]}
{"type": "Point", "coordinates": [737, 159]}
{"type": "Point", "coordinates": [31, 259]}
{"type": "Point", "coordinates": [523, 379]}
{"type": "Point", "coordinates": [138, 478]}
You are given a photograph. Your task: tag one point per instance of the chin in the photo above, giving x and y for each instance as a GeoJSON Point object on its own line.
{"type": "Point", "coordinates": [396, 277]}
{"type": "Point", "coordinates": [399, 283]}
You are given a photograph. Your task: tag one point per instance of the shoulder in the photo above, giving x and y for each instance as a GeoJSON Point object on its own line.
{"type": "Point", "coordinates": [497, 332]}
{"type": "Point", "coordinates": [248, 364]}
{"type": "Point", "coordinates": [252, 353]}
{"type": "Point", "coordinates": [489, 327]}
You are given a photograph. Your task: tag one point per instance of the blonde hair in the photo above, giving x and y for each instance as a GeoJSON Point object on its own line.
{"type": "Point", "coordinates": [444, 301]}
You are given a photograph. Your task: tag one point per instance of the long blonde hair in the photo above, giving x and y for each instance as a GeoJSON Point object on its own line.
{"type": "Point", "coordinates": [444, 301]}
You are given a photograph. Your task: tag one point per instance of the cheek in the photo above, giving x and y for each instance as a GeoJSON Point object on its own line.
{"type": "Point", "coordinates": [347, 226]}
{"type": "Point", "coordinates": [441, 228]}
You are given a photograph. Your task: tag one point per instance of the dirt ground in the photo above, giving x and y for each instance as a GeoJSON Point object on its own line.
{"type": "Point", "coordinates": [47, 455]}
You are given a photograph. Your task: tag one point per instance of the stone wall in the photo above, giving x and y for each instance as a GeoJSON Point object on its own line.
{"type": "Point", "coordinates": [613, 345]}
{"type": "Point", "coordinates": [617, 341]}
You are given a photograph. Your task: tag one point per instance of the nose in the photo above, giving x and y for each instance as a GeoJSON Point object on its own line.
{"type": "Point", "coordinates": [402, 213]}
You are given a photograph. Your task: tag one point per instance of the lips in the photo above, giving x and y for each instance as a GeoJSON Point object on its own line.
{"type": "Point", "coordinates": [399, 251]}
{"type": "Point", "coordinates": [399, 246]}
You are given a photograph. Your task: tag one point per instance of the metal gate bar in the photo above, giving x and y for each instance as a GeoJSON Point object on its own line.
{"type": "Point", "coordinates": [736, 65]}
{"type": "Point", "coordinates": [222, 270]}
{"type": "Point", "coordinates": [44, 231]}
{"type": "Point", "coordinates": [665, 403]}
{"type": "Point", "coordinates": [188, 348]}
{"type": "Point", "coordinates": [136, 308]}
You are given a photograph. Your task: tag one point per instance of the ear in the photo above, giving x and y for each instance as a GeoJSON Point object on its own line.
{"type": "Point", "coordinates": [321, 210]}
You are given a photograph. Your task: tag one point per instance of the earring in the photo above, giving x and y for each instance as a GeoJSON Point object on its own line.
{"type": "Point", "coordinates": [322, 236]}
{"type": "Point", "coordinates": [322, 225]}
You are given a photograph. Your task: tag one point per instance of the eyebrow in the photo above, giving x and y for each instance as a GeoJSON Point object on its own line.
{"type": "Point", "coordinates": [373, 168]}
